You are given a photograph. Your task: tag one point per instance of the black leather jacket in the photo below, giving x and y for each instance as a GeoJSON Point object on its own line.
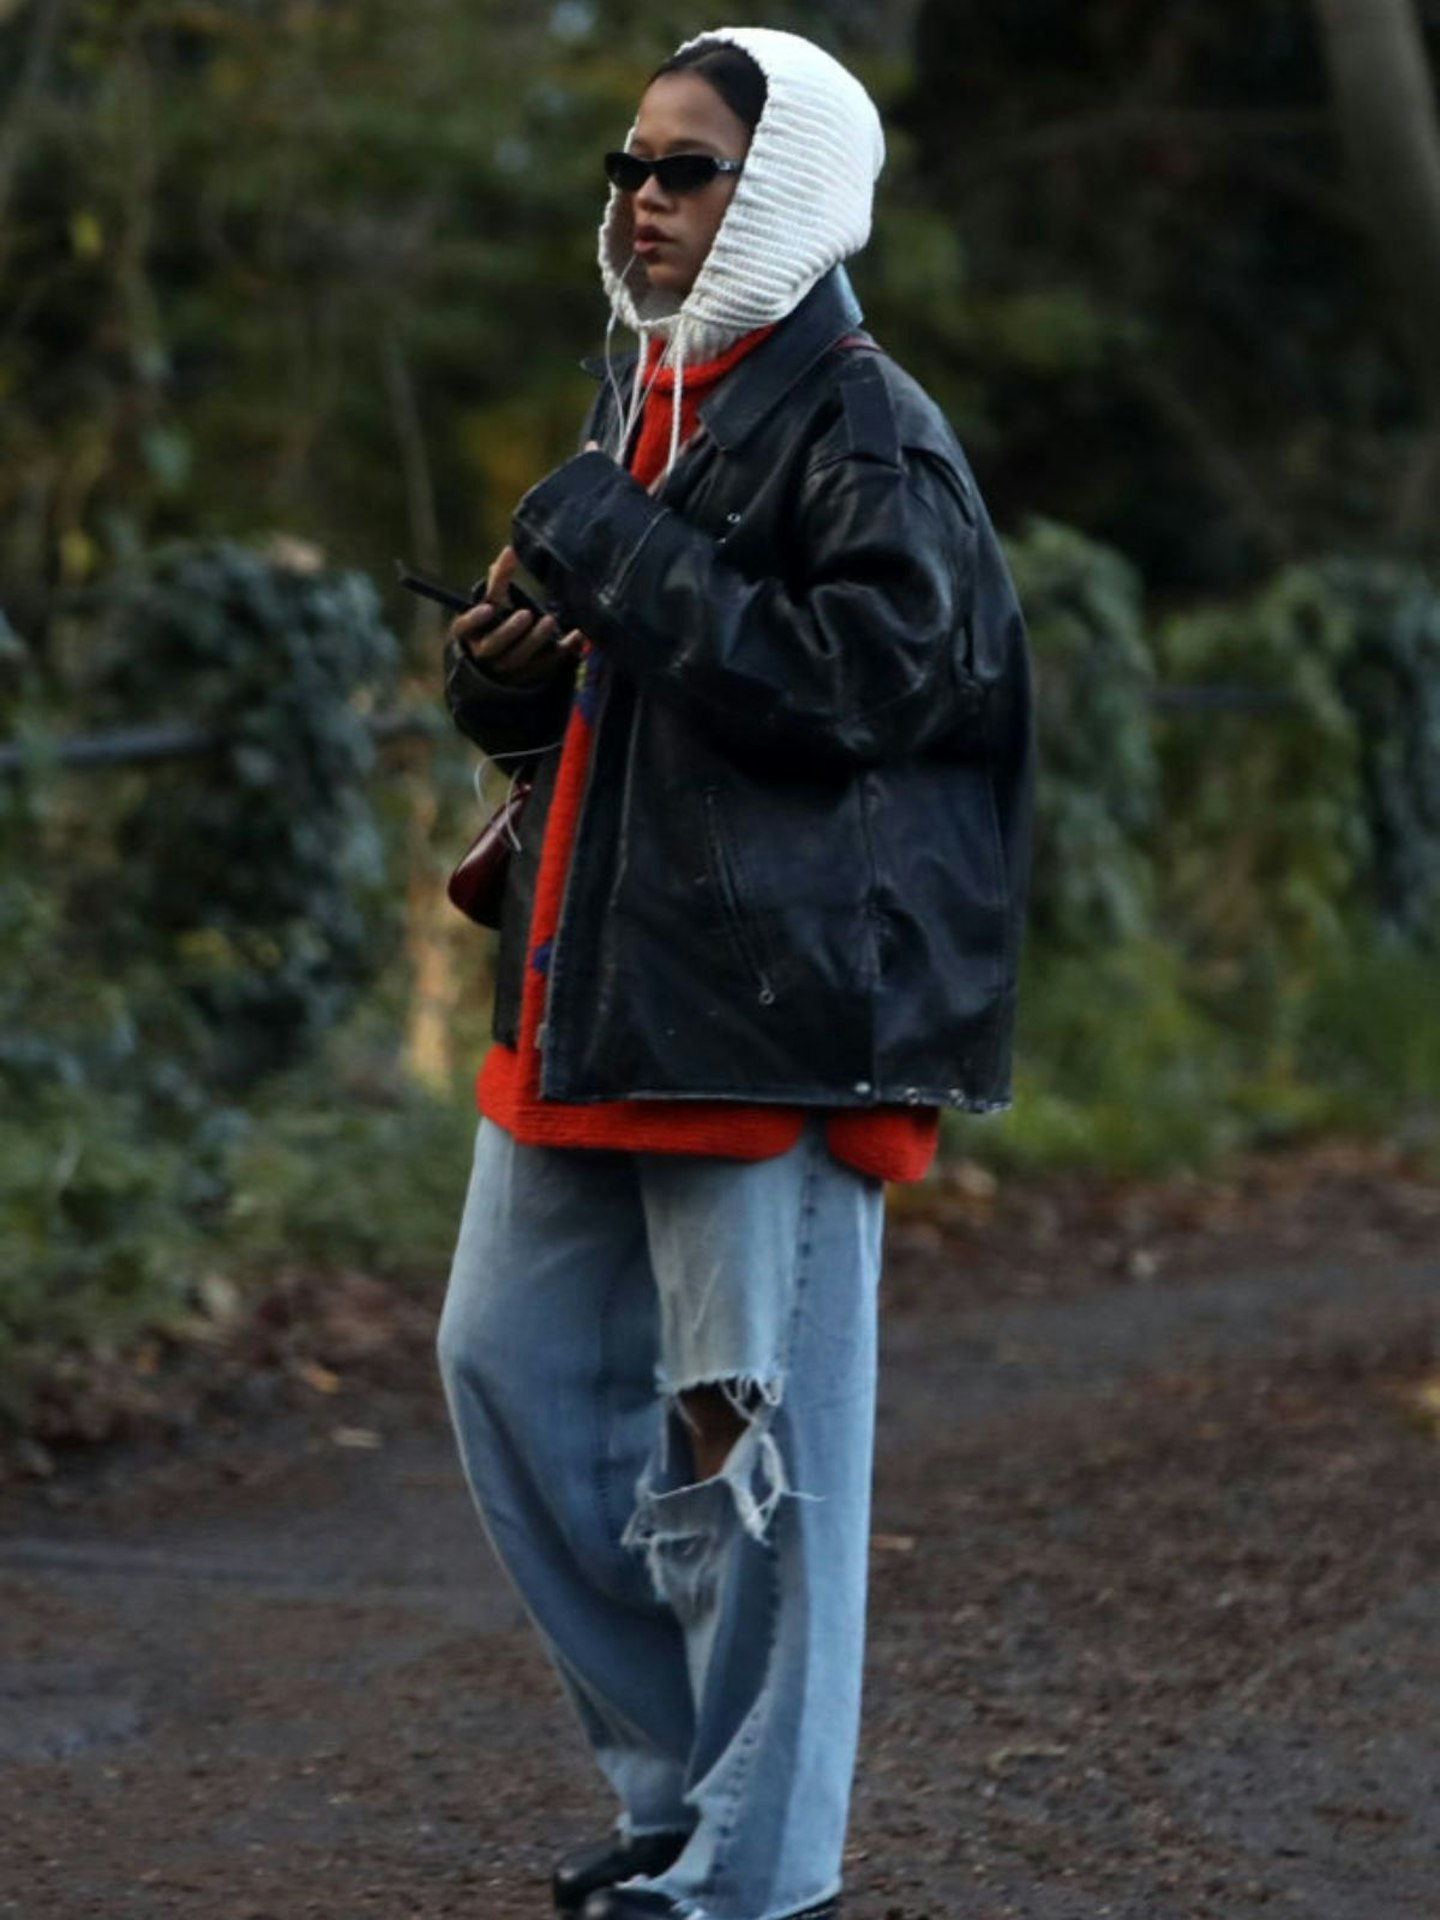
{"type": "Point", "coordinates": [800, 864]}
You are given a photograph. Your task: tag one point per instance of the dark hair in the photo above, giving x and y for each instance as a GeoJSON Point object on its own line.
{"type": "Point", "coordinates": [731, 72]}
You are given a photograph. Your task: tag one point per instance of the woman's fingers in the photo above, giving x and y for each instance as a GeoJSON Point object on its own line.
{"type": "Point", "coordinates": [534, 645]}
{"type": "Point", "coordinates": [502, 569]}
{"type": "Point", "coordinates": [498, 643]}
{"type": "Point", "coordinates": [489, 599]}
{"type": "Point", "coordinates": [512, 645]}
{"type": "Point", "coordinates": [467, 628]}
{"type": "Point", "coordinates": [521, 648]}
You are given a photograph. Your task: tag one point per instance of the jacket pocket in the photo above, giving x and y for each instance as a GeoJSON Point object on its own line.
{"type": "Point", "coordinates": [728, 875]}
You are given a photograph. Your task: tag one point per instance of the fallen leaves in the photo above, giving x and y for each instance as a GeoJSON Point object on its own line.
{"type": "Point", "coordinates": [1004, 1760]}
{"type": "Point", "coordinates": [1419, 1402]}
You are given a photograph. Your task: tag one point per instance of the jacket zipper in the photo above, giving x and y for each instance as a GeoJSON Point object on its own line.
{"type": "Point", "coordinates": [730, 898]}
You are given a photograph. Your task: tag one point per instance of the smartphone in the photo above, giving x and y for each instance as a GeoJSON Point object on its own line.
{"type": "Point", "coordinates": [516, 601]}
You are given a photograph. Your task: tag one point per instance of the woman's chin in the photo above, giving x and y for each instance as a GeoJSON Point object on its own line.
{"type": "Point", "coordinates": [664, 278]}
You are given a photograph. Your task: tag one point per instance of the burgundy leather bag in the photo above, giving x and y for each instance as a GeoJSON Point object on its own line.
{"type": "Point", "coordinates": [477, 886]}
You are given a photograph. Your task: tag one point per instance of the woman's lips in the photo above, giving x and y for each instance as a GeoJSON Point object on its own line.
{"type": "Point", "coordinates": [649, 239]}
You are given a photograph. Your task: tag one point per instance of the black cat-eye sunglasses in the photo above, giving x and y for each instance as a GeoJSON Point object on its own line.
{"type": "Point", "coordinates": [675, 172]}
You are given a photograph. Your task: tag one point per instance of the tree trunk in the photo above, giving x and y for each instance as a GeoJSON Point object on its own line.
{"type": "Point", "coordinates": [1385, 95]}
{"type": "Point", "coordinates": [23, 107]}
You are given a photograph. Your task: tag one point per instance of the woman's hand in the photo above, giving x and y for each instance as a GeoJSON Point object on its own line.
{"type": "Point", "coordinates": [514, 647]}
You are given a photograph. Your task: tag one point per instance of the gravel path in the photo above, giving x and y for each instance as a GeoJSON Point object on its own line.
{"type": "Point", "coordinates": [1156, 1615]}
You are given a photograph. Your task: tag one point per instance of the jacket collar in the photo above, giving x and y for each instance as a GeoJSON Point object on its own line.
{"type": "Point", "coordinates": [827, 313]}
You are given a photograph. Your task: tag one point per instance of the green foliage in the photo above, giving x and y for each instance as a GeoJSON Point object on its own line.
{"type": "Point", "coordinates": [1283, 980]}
{"type": "Point", "coordinates": [103, 1220]}
{"type": "Point", "coordinates": [168, 938]}
{"type": "Point", "coordinates": [1098, 776]}
{"type": "Point", "coordinates": [255, 875]}
{"type": "Point", "coordinates": [1265, 840]}
{"type": "Point", "coordinates": [273, 265]}
{"type": "Point", "coordinates": [333, 1173]}
{"type": "Point", "coordinates": [1368, 1031]}
{"type": "Point", "coordinates": [1172, 333]}
{"type": "Point", "coordinates": [1290, 827]}
{"type": "Point", "coordinates": [1118, 1067]}
{"type": "Point", "coordinates": [113, 1158]}
{"type": "Point", "coordinates": [1390, 681]}
{"type": "Point", "coordinates": [1127, 1064]}
{"type": "Point", "coordinates": [111, 1223]}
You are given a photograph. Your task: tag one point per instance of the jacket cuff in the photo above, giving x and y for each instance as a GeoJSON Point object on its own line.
{"type": "Point", "coordinates": [580, 529]}
{"type": "Point", "coordinates": [468, 684]}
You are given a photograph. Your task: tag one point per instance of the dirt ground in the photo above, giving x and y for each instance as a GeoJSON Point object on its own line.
{"type": "Point", "coordinates": [1156, 1600]}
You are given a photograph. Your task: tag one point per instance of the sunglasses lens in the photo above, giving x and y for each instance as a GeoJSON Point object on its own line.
{"type": "Point", "coordinates": [676, 173]}
{"type": "Point", "coordinates": [625, 171]}
{"type": "Point", "coordinates": [685, 172]}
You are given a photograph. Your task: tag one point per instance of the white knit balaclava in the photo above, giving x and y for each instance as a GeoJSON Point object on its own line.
{"type": "Point", "coordinates": [801, 205]}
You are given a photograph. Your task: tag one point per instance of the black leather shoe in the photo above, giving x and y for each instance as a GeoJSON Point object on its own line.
{"type": "Point", "coordinates": [592, 1869]}
{"type": "Point", "coordinates": [630, 1903]}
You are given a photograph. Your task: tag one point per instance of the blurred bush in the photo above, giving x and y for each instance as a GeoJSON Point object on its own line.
{"type": "Point", "coordinates": [172, 936]}
{"type": "Point", "coordinates": [1265, 832]}
{"type": "Point", "coordinates": [1233, 938]}
{"type": "Point", "coordinates": [1390, 681]}
{"type": "Point", "coordinates": [1260, 894]}
{"type": "Point", "coordinates": [253, 876]}
{"type": "Point", "coordinates": [1095, 808]}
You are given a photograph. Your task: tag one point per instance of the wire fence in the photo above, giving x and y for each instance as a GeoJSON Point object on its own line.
{"type": "Point", "coordinates": [141, 746]}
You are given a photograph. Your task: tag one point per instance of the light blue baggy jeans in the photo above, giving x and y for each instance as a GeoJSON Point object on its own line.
{"type": "Point", "coordinates": [710, 1634]}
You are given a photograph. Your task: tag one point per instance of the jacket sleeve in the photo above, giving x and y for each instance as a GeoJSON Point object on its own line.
{"type": "Point", "coordinates": [860, 656]}
{"type": "Point", "coordinates": [505, 721]}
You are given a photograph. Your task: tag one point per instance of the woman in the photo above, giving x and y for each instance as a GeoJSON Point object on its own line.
{"type": "Point", "coordinates": [762, 924]}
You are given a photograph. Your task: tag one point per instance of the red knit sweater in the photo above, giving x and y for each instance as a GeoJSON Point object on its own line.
{"type": "Point", "coordinates": [890, 1143]}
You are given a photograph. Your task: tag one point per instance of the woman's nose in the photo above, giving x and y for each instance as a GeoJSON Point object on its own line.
{"type": "Point", "coordinates": [649, 195]}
